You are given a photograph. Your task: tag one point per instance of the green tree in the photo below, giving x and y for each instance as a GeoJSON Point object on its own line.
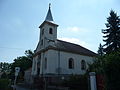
{"type": "Point", "coordinates": [112, 33]}
{"type": "Point", "coordinates": [29, 54]}
{"type": "Point", "coordinates": [24, 62]}
{"type": "Point", "coordinates": [108, 64]}
{"type": "Point", "coordinates": [97, 65]}
{"type": "Point", "coordinates": [112, 71]}
{"type": "Point", "coordinates": [100, 50]}
{"type": "Point", "coordinates": [5, 67]}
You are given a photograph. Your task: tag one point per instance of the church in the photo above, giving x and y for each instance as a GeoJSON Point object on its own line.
{"type": "Point", "coordinates": [56, 57]}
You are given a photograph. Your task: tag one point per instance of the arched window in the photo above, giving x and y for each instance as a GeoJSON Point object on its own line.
{"type": "Point", "coordinates": [45, 63]}
{"type": "Point", "coordinates": [83, 65]}
{"type": "Point", "coordinates": [50, 31]}
{"type": "Point", "coordinates": [71, 63]}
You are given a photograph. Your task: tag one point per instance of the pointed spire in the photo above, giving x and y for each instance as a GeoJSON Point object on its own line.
{"type": "Point", "coordinates": [49, 14]}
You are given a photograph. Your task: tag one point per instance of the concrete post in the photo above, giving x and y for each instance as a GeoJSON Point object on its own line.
{"type": "Point", "coordinates": [93, 81]}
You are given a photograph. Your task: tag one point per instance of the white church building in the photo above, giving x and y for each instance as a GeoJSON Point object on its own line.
{"type": "Point", "coordinates": [56, 57]}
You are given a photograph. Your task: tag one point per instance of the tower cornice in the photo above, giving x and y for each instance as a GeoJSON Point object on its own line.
{"type": "Point", "coordinates": [48, 22]}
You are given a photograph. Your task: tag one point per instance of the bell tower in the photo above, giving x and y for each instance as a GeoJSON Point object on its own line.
{"type": "Point", "coordinates": [48, 30]}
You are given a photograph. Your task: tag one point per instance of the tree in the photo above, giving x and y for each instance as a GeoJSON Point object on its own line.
{"type": "Point", "coordinates": [24, 62]}
{"type": "Point", "coordinates": [100, 50]}
{"type": "Point", "coordinates": [5, 67]}
{"type": "Point", "coordinates": [29, 54]}
{"type": "Point", "coordinates": [97, 65]}
{"type": "Point", "coordinates": [108, 64]}
{"type": "Point", "coordinates": [112, 70]}
{"type": "Point", "coordinates": [112, 33]}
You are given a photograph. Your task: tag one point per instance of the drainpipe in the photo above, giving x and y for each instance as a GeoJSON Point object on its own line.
{"type": "Point", "coordinates": [58, 61]}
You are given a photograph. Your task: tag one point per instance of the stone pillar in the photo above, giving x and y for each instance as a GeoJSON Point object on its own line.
{"type": "Point", "coordinates": [92, 81]}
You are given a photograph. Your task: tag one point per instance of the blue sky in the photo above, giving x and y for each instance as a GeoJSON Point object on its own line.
{"type": "Point", "coordinates": [80, 21]}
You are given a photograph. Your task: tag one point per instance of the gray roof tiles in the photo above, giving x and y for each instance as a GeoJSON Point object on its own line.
{"type": "Point", "coordinates": [68, 47]}
{"type": "Point", "coordinates": [74, 48]}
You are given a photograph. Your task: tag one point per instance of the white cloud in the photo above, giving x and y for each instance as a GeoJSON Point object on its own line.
{"type": "Point", "coordinates": [75, 29]}
{"type": "Point", "coordinates": [75, 40]}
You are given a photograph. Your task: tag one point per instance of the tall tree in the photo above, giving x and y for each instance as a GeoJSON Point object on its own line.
{"type": "Point", "coordinates": [100, 50]}
{"type": "Point", "coordinates": [112, 33]}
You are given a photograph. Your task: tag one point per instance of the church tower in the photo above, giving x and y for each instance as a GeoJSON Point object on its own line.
{"type": "Point", "coordinates": [48, 31]}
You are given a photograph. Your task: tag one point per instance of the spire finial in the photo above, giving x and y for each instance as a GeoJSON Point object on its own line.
{"type": "Point", "coordinates": [49, 14]}
{"type": "Point", "coordinates": [49, 5]}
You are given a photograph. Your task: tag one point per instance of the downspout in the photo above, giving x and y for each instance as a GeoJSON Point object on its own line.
{"type": "Point", "coordinates": [58, 61]}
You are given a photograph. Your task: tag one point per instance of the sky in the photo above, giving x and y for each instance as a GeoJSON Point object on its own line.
{"type": "Point", "coordinates": [80, 22]}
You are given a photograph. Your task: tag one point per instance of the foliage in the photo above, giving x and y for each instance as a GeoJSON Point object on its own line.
{"type": "Point", "coordinates": [108, 64]}
{"type": "Point", "coordinates": [5, 67]}
{"type": "Point", "coordinates": [100, 50]}
{"type": "Point", "coordinates": [4, 75]}
{"type": "Point", "coordinates": [24, 62]}
{"type": "Point", "coordinates": [29, 54]}
{"type": "Point", "coordinates": [112, 71]}
{"type": "Point", "coordinates": [77, 82]}
{"type": "Point", "coordinates": [97, 66]}
{"type": "Point", "coordinates": [4, 84]}
{"type": "Point", "coordinates": [111, 60]}
{"type": "Point", "coordinates": [112, 33]}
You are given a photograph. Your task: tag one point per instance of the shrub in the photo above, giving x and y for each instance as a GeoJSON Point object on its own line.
{"type": "Point", "coordinates": [77, 82]}
{"type": "Point", "coordinates": [5, 84]}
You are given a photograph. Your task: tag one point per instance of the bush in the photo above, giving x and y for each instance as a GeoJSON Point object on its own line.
{"type": "Point", "coordinates": [4, 75]}
{"type": "Point", "coordinates": [5, 84]}
{"type": "Point", "coordinates": [77, 82]}
{"type": "Point", "coordinates": [112, 71]}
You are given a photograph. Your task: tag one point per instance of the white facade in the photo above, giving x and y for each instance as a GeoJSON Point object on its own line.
{"type": "Point", "coordinates": [51, 57]}
{"type": "Point", "coordinates": [57, 63]}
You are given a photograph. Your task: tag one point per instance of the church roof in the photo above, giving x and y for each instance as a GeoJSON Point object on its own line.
{"type": "Point", "coordinates": [74, 48]}
{"type": "Point", "coordinates": [68, 47]}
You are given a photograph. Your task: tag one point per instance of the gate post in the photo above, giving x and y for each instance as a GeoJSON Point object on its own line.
{"type": "Point", "coordinates": [93, 81]}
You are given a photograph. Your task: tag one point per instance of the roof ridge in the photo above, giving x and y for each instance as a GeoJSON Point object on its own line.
{"type": "Point", "coordinates": [76, 45]}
